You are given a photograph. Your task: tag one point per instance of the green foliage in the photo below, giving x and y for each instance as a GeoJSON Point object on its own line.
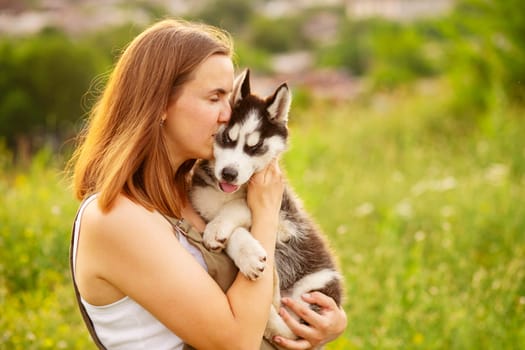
{"type": "Point", "coordinates": [247, 56]}
{"type": "Point", "coordinates": [485, 54]}
{"type": "Point", "coordinates": [404, 61]}
{"type": "Point", "coordinates": [426, 217]}
{"type": "Point", "coordinates": [111, 41]}
{"type": "Point", "coordinates": [42, 254]}
{"type": "Point", "coordinates": [388, 53]}
{"type": "Point", "coordinates": [276, 35]}
{"type": "Point", "coordinates": [36, 299]}
{"type": "Point", "coordinates": [231, 15]}
{"type": "Point", "coordinates": [153, 9]}
{"type": "Point", "coordinates": [479, 46]}
{"type": "Point", "coordinates": [43, 80]}
{"type": "Point", "coordinates": [352, 49]}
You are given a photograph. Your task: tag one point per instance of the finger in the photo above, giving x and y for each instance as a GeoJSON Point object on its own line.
{"type": "Point", "coordinates": [273, 170]}
{"type": "Point", "coordinates": [300, 344]}
{"type": "Point", "coordinates": [273, 174]}
{"type": "Point", "coordinates": [323, 300]}
{"type": "Point", "coordinates": [266, 174]}
{"type": "Point", "coordinates": [275, 166]}
{"type": "Point", "coordinates": [259, 176]}
{"type": "Point", "coordinates": [300, 329]}
{"type": "Point", "coordinates": [304, 312]}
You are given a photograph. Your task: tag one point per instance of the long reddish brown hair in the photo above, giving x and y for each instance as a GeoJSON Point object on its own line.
{"type": "Point", "coordinates": [123, 149]}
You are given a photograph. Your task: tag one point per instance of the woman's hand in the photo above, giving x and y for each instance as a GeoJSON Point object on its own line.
{"type": "Point", "coordinates": [265, 191]}
{"type": "Point", "coordinates": [321, 327]}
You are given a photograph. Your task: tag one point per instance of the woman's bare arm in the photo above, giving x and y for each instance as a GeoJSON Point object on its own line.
{"type": "Point", "coordinates": [136, 252]}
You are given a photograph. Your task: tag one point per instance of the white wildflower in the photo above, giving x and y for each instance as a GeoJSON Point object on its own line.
{"type": "Point", "coordinates": [357, 258]}
{"type": "Point", "coordinates": [478, 278]}
{"type": "Point", "coordinates": [55, 210]}
{"type": "Point", "coordinates": [447, 211]}
{"type": "Point", "coordinates": [439, 185]}
{"type": "Point", "coordinates": [419, 236]}
{"type": "Point", "coordinates": [445, 184]}
{"type": "Point", "coordinates": [398, 176]}
{"type": "Point", "coordinates": [404, 209]}
{"type": "Point", "coordinates": [419, 188]}
{"type": "Point", "coordinates": [364, 209]}
{"type": "Point", "coordinates": [496, 173]}
{"type": "Point", "coordinates": [341, 229]}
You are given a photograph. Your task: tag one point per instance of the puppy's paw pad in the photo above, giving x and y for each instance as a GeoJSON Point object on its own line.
{"type": "Point", "coordinates": [252, 261]}
{"type": "Point", "coordinates": [216, 235]}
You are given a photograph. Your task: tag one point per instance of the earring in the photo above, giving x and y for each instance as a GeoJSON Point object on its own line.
{"type": "Point", "coordinates": [162, 122]}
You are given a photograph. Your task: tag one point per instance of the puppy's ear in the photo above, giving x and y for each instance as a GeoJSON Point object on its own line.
{"type": "Point", "coordinates": [278, 105]}
{"type": "Point", "coordinates": [241, 87]}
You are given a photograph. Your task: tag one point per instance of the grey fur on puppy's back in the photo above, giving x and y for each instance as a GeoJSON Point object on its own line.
{"type": "Point", "coordinates": [306, 252]}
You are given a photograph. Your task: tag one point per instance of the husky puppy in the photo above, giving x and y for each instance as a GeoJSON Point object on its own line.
{"type": "Point", "coordinates": [257, 133]}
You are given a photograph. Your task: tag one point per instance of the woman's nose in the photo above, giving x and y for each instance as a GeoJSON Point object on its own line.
{"type": "Point", "coordinates": [226, 113]}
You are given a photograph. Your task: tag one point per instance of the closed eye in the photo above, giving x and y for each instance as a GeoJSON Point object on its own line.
{"type": "Point", "coordinates": [256, 149]}
{"type": "Point", "coordinates": [219, 94]}
{"type": "Point", "coordinates": [225, 139]}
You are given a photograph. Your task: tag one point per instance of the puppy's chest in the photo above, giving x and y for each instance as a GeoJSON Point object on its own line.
{"type": "Point", "coordinates": [209, 201]}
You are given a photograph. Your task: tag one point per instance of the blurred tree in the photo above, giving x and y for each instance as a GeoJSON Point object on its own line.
{"type": "Point", "coordinates": [277, 34]}
{"type": "Point", "coordinates": [388, 53]}
{"type": "Point", "coordinates": [351, 50]}
{"type": "Point", "coordinates": [247, 55]}
{"type": "Point", "coordinates": [488, 51]}
{"type": "Point", "coordinates": [398, 52]}
{"type": "Point", "coordinates": [41, 87]}
{"type": "Point", "coordinates": [111, 41]}
{"type": "Point", "coordinates": [231, 15]}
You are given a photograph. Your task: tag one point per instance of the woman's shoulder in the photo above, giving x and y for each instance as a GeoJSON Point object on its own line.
{"type": "Point", "coordinates": [124, 216]}
{"type": "Point", "coordinates": [123, 207]}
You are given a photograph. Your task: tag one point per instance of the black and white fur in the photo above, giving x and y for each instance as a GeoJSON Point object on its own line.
{"type": "Point", "coordinates": [257, 133]}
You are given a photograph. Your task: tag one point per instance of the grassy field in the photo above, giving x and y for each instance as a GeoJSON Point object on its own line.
{"type": "Point", "coordinates": [426, 214]}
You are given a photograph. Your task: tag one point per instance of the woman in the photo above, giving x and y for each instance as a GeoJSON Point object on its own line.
{"type": "Point", "coordinates": [140, 286]}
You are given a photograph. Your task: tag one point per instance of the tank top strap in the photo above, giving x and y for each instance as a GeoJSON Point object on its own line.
{"type": "Point", "coordinates": [220, 267]}
{"type": "Point", "coordinates": [183, 227]}
{"type": "Point", "coordinates": [72, 262]}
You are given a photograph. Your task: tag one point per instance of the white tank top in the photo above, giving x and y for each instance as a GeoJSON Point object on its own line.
{"type": "Point", "coordinates": [124, 324]}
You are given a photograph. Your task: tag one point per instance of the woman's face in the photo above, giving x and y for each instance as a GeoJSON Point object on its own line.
{"type": "Point", "coordinates": [203, 105]}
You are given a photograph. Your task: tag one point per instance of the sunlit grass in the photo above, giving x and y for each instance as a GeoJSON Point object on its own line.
{"type": "Point", "coordinates": [37, 305]}
{"type": "Point", "coordinates": [428, 221]}
{"type": "Point", "coordinates": [425, 213]}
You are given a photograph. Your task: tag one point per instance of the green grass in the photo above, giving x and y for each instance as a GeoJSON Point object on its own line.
{"type": "Point", "coordinates": [425, 212]}
{"type": "Point", "coordinates": [427, 216]}
{"type": "Point", "coordinates": [37, 305]}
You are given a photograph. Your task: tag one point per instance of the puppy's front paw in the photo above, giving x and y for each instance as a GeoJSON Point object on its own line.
{"type": "Point", "coordinates": [252, 260]}
{"type": "Point", "coordinates": [216, 235]}
{"type": "Point", "coordinates": [247, 253]}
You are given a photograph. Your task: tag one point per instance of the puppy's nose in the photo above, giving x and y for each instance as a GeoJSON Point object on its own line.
{"type": "Point", "coordinates": [229, 174]}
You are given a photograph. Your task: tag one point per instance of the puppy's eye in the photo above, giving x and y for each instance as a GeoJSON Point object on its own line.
{"type": "Point", "coordinates": [225, 139]}
{"type": "Point", "coordinates": [255, 148]}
